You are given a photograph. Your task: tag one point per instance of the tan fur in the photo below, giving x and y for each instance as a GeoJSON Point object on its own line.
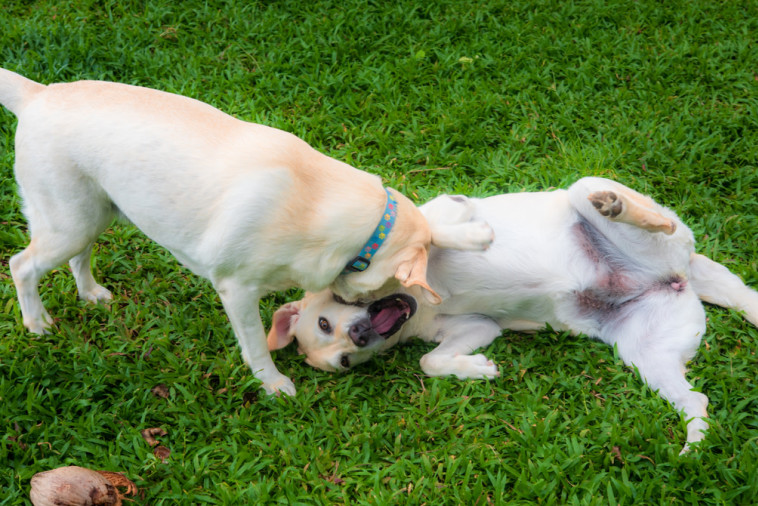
{"type": "Point", "coordinates": [635, 209]}
{"type": "Point", "coordinates": [250, 207]}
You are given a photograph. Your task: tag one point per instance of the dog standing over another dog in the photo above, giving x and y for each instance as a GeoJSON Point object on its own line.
{"type": "Point", "coordinates": [597, 259]}
{"type": "Point", "coordinates": [252, 208]}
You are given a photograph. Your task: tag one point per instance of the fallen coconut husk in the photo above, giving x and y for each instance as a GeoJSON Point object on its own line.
{"type": "Point", "coordinates": [79, 486]}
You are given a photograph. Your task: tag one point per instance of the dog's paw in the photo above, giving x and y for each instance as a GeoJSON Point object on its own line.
{"type": "Point", "coordinates": [475, 367]}
{"type": "Point", "coordinates": [618, 207]}
{"type": "Point", "coordinates": [668, 228]}
{"type": "Point", "coordinates": [41, 326]}
{"type": "Point", "coordinates": [97, 295]}
{"type": "Point", "coordinates": [282, 385]}
{"type": "Point", "coordinates": [461, 366]}
{"type": "Point", "coordinates": [607, 203]}
{"type": "Point", "coordinates": [478, 235]}
{"type": "Point", "coordinates": [696, 427]}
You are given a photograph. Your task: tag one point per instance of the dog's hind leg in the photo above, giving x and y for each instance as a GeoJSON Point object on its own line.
{"type": "Point", "coordinates": [66, 212]}
{"type": "Point", "coordinates": [86, 285]}
{"type": "Point", "coordinates": [658, 334]}
{"type": "Point", "coordinates": [47, 250]}
{"type": "Point", "coordinates": [632, 208]}
{"type": "Point", "coordinates": [26, 273]}
{"type": "Point", "coordinates": [664, 372]}
{"type": "Point", "coordinates": [459, 336]}
{"type": "Point", "coordinates": [715, 284]}
{"type": "Point", "coordinates": [629, 220]}
{"type": "Point", "coordinates": [594, 196]}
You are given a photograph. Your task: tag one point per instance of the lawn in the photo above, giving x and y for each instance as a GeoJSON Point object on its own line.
{"type": "Point", "coordinates": [436, 97]}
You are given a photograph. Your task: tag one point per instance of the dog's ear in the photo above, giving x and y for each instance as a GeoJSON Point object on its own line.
{"type": "Point", "coordinates": [283, 326]}
{"type": "Point", "coordinates": [413, 273]}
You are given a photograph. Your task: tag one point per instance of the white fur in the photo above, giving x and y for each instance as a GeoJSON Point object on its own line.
{"type": "Point", "coordinates": [642, 294]}
{"type": "Point", "coordinates": [249, 207]}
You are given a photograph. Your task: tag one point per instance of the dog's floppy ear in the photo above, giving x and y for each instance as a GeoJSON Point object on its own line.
{"type": "Point", "coordinates": [413, 272]}
{"type": "Point", "coordinates": [283, 326]}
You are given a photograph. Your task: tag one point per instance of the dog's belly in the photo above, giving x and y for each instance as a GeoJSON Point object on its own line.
{"type": "Point", "coordinates": [504, 298]}
{"type": "Point", "coordinates": [204, 230]}
{"type": "Point", "coordinates": [529, 270]}
{"type": "Point", "coordinates": [547, 266]}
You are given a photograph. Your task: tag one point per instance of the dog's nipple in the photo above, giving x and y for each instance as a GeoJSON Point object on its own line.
{"type": "Point", "coordinates": [679, 285]}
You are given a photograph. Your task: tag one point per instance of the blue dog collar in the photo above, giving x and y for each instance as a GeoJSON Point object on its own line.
{"type": "Point", "coordinates": [363, 260]}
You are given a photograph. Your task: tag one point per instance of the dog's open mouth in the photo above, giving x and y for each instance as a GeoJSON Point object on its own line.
{"type": "Point", "coordinates": [387, 315]}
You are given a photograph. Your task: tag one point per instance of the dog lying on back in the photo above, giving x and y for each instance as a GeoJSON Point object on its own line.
{"type": "Point", "coordinates": [597, 259]}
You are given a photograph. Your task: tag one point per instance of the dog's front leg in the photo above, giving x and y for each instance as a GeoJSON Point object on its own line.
{"type": "Point", "coordinates": [241, 305]}
{"type": "Point", "coordinates": [472, 236]}
{"type": "Point", "coordinates": [450, 220]}
{"type": "Point", "coordinates": [459, 336]}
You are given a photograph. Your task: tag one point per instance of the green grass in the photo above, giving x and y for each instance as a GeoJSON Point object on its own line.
{"type": "Point", "coordinates": [436, 97]}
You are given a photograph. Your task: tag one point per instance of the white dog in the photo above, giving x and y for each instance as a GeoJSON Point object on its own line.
{"type": "Point", "coordinates": [598, 259]}
{"type": "Point", "coordinates": [251, 208]}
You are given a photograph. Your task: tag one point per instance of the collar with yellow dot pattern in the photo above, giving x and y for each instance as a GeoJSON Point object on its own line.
{"type": "Point", "coordinates": [363, 260]}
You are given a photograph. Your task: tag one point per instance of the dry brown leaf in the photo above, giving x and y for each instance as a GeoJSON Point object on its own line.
{"type": "Point", "coordinates": [333, 479]}
{"type": "Point", "coordinates": [616, 454]}
{"type": "Point", "coordinates": [160, 391]}
{"type": "Point", "coordinates": [18, 441]}
{"type": "Point", "coordinates": [162, 453]}
{"type": "Point", "coordinates": [149, 435]}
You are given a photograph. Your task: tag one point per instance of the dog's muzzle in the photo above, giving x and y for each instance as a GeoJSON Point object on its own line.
{"type": "Point", "coordinates": [385, 318]}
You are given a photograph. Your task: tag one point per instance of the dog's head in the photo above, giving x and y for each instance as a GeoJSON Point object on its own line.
{"type": "Point", "coordinates": [336, 335]}
{"type": "Point", "coordinates": [402, 258]}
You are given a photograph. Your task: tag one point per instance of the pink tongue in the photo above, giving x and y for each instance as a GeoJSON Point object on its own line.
{"type": "Point", "coordinates": [385, 319]}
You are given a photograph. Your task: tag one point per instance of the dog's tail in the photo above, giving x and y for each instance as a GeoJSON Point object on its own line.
{"type": "Point", "coordinates": [16, 90]}
{"type": "Point", "coordinates": [715, 284]}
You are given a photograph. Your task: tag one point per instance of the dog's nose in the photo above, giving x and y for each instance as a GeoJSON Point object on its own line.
{"type": "Point", "coordinates": [361, 332]}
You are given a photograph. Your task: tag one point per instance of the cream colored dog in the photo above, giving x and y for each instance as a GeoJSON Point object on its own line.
{"type": "Point", "coordinates": [251, 208]}
{"type": "Point", "coordinates": [598, 259]}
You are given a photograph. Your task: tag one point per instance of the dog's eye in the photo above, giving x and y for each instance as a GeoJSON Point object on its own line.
{"type": "Point", "coordinates": [345, 361]}
{"type": "Point", "coordinates": [323, 324]}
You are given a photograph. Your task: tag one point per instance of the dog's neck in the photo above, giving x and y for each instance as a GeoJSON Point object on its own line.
{"type": "Point", "coordinates": [382, 230]}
